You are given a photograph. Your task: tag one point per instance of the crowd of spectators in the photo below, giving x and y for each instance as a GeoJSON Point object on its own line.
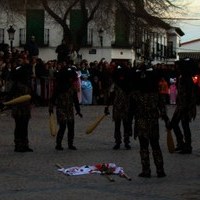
{"type": "Point", "coordinates": [43, 75]}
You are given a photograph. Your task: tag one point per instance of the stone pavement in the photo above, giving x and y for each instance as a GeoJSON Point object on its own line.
{"type": "Point", "coordinates": [31, 176]}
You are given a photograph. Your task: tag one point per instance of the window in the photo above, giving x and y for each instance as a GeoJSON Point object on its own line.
{"type": "Point", "coordinates": [46, 37]}
{"type": "Point", "coordinates": [76, 21]}
{"type": "Point", "coordinates": [122, 29]}
{"type": "Point", "coordinates": [35, 25]}
{"type": "Point", "coordinates": [170, 49]}
{"type": "Point", "coordinates": [22, 36]}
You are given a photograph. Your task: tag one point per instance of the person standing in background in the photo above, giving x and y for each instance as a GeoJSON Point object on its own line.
{"type": "Point", "coordinates": [86, 85]}
{"type": "Point", "coordinates": [164, 90]}
{"type": "Point", "coordinates": [32, 48]}
{"type": "Point", "coordinates": [63, 52]}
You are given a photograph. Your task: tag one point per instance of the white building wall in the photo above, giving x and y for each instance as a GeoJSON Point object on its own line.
{"type": "Point", "coordinates": [107, 53]}
{"type": "Point", "coordinates": [100, 53]}
{"type": "Point", "coordinates": [56, 35]}
{"type": "Point", "coordinates": [55, 31]}
{"type": "Point", "coordinates": [190, 47]}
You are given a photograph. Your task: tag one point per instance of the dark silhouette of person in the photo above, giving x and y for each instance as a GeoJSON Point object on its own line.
{"type": "Point", "coordinates": [62, 51]}
{"type": "Point", "coordinates": [32, 47]}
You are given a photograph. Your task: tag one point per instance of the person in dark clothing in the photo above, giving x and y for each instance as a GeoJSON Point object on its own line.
{"type": "Point", "coordinates": [119, 97]}
{"type": "Point", "coordinates": [63, 52]}
{"type": "Point", "coordinates": [185, 106]}
{"type": "Point", "coordinates": [65, 97]}
{"type": "Point", "coordinates": [32, 48]}
{"type": "Point", "coordinates": [147, 106]}
{"type": "Point", "coordinates": [21, 112]}
{"type": "Point", "coordinates": [38, 73]}
{"type": "Point", "coordinates": [95, 76]}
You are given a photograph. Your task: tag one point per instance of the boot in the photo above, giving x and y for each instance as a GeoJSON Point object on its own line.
{"type": "Point", "coordinates": [146, 171]}
{"type": "Point", "coordinates": [59, 147]}
{"type": "Point", "coordinates": [187, 149]}
{"type": "Point", "coordinates": [127, 146]}
{"type": "Point", "coordinates": [71, 135]}
{"type": "Point", "coordinates": [18, 145]}
{"type": "Point", "coordinates": [71, 146]}
{"type": "Point", "coordinates": [179, 147]}
{"type": "Point", "coordinates": [22, 146]}
{"type": "Point", "coordinates": [117, 146]}
{"type": "Point", "coordinates": [23, 149]}
{"type": "Point", "coordinates": [158, 160]}
{"type": "Point", "coordinates": [18, 148]}
{"type": "Point", "coordinates": [26, 146]}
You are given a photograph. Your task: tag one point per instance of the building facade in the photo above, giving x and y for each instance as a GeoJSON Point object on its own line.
{"type": "Point", "coordinates": [190, 49]}
{"type": "Point", "coordinates": [119, 41]}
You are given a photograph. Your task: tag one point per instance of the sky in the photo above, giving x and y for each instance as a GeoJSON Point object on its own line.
{"type": "Point", "coordinates": [191, 28]}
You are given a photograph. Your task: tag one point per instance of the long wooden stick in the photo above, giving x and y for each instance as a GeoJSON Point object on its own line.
{"type": "Point", "coordinates": [58, 166]}
{"type": "Point", "coordinates": [170, 142]}
{"type": "Point", "coordinates": [92, 126]}
{"type": "Point", "coordinates": [18, 100]}
{"type": "Point", "coordinates": [126, 176]}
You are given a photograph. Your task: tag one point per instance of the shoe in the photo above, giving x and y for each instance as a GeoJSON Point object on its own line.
{"type": "Point", "coordinates": [27, 149]}
{"type": "Point", "coordinates": [178, 148]}
{"type": "Point", "coordinates": [116, 147]}
{"type": "Point", "coordinates": [127, 146]}
{"type": "Point", "coordinates": [161, 174]}
{"type": "Point", "coordinates": [59, 148]}
{"type": "Point", "coordinates": [186, 151]}
{"type": "Point", "coordinates": [19, 150]}
{"type": "Point", "coordinates": [24, 149]}
{"type": "Point", "coordinates": [72, 147]}
{"type": "Point", "coordinates": [145, 175]}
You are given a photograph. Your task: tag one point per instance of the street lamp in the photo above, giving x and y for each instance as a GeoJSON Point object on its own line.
{"type": "Point", "coordinates": [11, 34]}
{"type": "Point", "coordinates": [100, 31]}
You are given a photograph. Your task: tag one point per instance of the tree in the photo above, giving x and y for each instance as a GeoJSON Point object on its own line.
{"type": "Point", "coordinates": [101, 10]}
{"type": "Point", "coordinates": [62, 20]}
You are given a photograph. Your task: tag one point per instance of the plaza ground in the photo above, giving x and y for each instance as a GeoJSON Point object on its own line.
{"type": "Point", "coordinates": [31, 176]}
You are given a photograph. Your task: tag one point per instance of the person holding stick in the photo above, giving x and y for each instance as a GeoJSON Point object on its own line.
{"type": "Point", "coordinates": [21, 112]}
{"type": "Point", "coordinates": [65, 98]}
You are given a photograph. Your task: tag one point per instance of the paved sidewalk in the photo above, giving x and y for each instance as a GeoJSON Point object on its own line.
{"type": "Point", "coordinates": [31, 176]}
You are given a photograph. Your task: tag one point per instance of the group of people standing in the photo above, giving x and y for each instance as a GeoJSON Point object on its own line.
{"type": "Point", "coordinates": [134, 96]}
{"type": "Point", "coordinates": [144, 104]}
